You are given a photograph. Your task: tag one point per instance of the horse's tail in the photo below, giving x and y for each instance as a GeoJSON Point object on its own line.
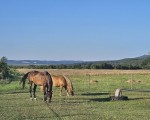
{"type": "Point", "coordinates": [69, 85]}
{"type": "Point", "coordinates": [23, 80]}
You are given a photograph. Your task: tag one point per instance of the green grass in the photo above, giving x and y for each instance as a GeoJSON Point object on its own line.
{"type": "Point", "coordinates": [91, 101]}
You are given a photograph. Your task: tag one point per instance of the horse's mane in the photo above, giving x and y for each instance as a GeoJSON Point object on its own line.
{"type": "Point", "coordinates": [69, 83]}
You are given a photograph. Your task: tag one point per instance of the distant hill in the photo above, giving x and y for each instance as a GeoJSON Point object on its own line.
{"type": "Point", "coordinates": [137, 61]}
{"type": "Point", "coordinates": [126, 61]}
{"type": "Point", "coordinates": [41, 62]}
{"type": "Point", "coordinates": [144, 56]}
{"type": "Point", "coordinates": [134, 61]}
{"type": "Point", "coordinates": [129, 61]}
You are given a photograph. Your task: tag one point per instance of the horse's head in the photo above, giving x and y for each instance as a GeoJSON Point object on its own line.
{"type": "Point", "coordinates": [70, 91]}
{"type": "Point", "coordinates": [70, 87]}
{"type": "Point", "coordinates": [49, 96]}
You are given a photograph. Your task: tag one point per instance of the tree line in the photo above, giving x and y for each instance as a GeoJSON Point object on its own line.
{"type": "Point", "coordinates": [8, 71]}
{"type": "Point", "coordinates": [83, 66]}
{"type": "Point", "coordinates": [131, 64]}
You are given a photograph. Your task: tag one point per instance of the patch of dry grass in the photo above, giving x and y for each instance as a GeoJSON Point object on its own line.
{"type": "Point", "coordinates": [87, 71]}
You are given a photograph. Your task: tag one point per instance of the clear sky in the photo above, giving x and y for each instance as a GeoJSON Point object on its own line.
{"type": "Point", "coordinates": [74, 29]}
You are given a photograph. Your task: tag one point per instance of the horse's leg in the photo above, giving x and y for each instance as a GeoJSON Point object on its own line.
{"type": "Point", "coordinates": [34, 90]}
{"type": "Point", "coordinates": [44, 91]}
{"type": "Point", "coordinates": [67, 91]}
{"type": "Point", "coordinates": [48, 96]}
{"type": "Point", "coordinates": [30, 90]}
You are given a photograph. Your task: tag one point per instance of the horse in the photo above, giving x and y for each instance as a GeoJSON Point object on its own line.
{"type": "Point", "coordinates": [62, 81]}
{"type": "Point", "coordinates": [39, 78]}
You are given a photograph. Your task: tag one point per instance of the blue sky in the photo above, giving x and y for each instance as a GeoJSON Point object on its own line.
{"type": "Point", "coordinates": [74, 29]}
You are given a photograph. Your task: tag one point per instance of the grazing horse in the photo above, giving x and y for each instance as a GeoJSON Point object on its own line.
{"type": "Point", "coordinates": [39, 78]}
{"type": "Point", "coordinates": [62, 81]}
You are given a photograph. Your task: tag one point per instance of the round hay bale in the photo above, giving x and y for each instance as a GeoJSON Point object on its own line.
{"type": "Point", "coordinates": [118, 93]}
{"type": "Point", "coordinates": [93, 81]}
{"type": "Point", "coordinates": [134, 81]}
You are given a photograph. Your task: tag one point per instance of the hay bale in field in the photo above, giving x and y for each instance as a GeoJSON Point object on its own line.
{"type": "Point", "coordinates": [118, 95]}
{"type": "Point", "coordinates": [134, 81]}
{"type": "Point", "coordinates": [118, 92]}
{"type": "Point", "coordinates": [93, 81]}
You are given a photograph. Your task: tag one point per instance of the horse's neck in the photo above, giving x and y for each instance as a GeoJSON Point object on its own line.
{"type": "Point", "coordinates": [69, 84]}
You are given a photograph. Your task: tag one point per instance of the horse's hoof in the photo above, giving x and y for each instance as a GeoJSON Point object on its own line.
{"type": "Point", "coordinates": [31, 98]}
{"type": "Point", "coordinates": [48, 100]}
{"type": "Point", "coordinates": [44, 100]}
{"type": "Point", "coordinates": [35, 99]}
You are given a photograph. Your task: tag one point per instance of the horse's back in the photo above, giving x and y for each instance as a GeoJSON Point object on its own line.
{"type": "Point", "coordinates": [38, 78]}
{"type": "Point", "coordinates": [58, 80]}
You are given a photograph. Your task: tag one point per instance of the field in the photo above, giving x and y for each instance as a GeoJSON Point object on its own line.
{"type": "Point", "coordinates": [91, 101]}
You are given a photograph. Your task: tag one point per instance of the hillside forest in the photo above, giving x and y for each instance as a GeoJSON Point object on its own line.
{"type": "Point", "coordinates": [124, 64]}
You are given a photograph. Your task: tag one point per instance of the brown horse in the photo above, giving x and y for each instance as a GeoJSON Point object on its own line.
{"type": "Point", "coordinates": [62, 81]}
{"type": "Point", "coordinates": [39, 78]}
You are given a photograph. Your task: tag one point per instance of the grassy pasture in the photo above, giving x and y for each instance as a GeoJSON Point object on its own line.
{"type": "Point", "coordinates": [91, 100]}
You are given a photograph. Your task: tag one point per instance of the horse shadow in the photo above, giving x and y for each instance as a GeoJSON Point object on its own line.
{"type": "Point", "coordinates": [94, 94]}
{"type": "Point", "coordinates": [109, 99]}
{"type": "Point", "coordinates": [101, 99]}
{"type": "Point", "coordinates": [140, 98]}
{"type": "Point", "coordinates": [98, 98]}
{"type": "Point", "coordinates": [106, 97]}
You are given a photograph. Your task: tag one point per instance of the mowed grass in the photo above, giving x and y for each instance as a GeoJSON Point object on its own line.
{"type": "Point", "coordinates": [91, 100]}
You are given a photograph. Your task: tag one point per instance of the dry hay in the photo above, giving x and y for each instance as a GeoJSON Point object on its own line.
{"type": "Point", "coordinates": [93, 81]}
{"type": "Point", "coordinates": [87, 71]}
{"type": "Point", "coordinates": [134, 81]}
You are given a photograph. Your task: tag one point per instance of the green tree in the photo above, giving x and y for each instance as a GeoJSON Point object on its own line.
{"type": "Point", "coordinates": [106, 66]}
{"type": "Point", "coordinates": [94, 66]}
{"type": "Point", "coordinates": [4, 69]}
{"type": "Point", "coordinates": [146, 63]}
